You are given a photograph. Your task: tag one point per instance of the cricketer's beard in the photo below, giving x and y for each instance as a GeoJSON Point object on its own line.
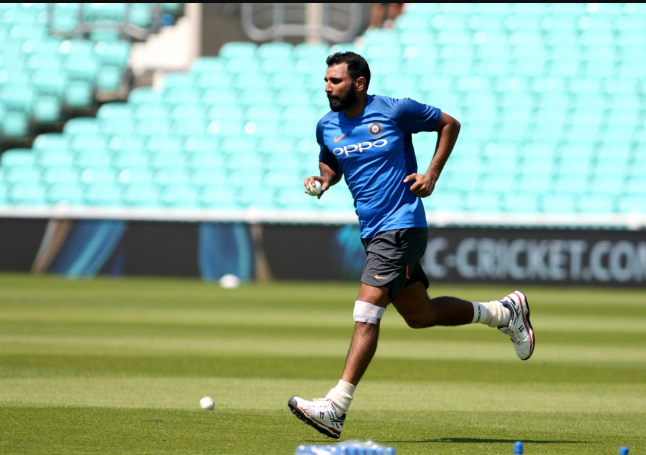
{"type": "Point", "coordinates": [338, 104]}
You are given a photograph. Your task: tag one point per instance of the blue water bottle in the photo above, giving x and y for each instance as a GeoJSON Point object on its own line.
{"type": "Point", "coordinates": [518, 448]}
{"type": "Point", "coordinates": [624, 451]}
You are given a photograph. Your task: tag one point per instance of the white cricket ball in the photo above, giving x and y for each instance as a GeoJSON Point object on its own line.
{"type": "Point", "coordinates": [207, 404]}
{"type": "Point", "coordinates": [229, 281]}
{"type": "Point", "coordinates": [315, 190]}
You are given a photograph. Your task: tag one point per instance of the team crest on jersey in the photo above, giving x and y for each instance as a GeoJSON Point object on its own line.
{"type": "Point", "coordinates": [375, 129]}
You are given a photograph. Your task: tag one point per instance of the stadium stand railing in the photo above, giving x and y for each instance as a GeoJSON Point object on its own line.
{"type": "Point", "coordinates": [550, 97]}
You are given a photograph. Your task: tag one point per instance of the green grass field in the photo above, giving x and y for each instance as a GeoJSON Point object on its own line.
{"type": "Point", "coordinates": [119, 366]}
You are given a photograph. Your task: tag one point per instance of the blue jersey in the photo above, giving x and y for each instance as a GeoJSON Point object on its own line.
{"type": "Point", "coordinates": [375, 153]}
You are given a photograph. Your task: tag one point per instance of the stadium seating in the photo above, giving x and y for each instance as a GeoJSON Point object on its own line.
{"type": "Point", "coordinates": [550, 97]}
{"type": "Point", "coordinates": [42, 75]}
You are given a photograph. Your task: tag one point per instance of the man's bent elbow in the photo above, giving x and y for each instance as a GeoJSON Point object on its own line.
{"type": "Point", "coordinates": [455, 125]}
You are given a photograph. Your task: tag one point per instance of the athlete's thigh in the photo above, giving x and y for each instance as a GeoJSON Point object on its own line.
{"type": "Point", "coordinates": [413, 303]}
{"type": "Point", "coordinates": [377, 295]}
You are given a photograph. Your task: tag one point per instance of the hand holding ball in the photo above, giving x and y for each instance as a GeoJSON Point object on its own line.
{"type": "Point", "coordinates": [207, 404]}
{"type": "Point", "coordinates": [314, 190]}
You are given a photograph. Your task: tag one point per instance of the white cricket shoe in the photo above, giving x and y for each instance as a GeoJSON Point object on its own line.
{"type": "Point", "coordinates": [319, 414]}
{"type": "Point", "coordinates": [519, 328]}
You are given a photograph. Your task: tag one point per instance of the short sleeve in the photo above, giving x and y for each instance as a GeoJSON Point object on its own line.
{"type": "Point", "coordinates": [413, 117]}
{"type": "Point", "coordinates": [325, 156]}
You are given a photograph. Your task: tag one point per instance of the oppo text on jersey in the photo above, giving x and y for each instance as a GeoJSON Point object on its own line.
{"type": "Point", "coordinates": [359, 147]}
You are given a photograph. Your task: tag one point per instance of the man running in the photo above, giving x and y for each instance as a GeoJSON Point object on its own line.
{"type": "Point", "coordinates": [368, 138]}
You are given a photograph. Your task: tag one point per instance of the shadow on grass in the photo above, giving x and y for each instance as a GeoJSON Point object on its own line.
{"type": "Point", "coordinates": [489, 441]}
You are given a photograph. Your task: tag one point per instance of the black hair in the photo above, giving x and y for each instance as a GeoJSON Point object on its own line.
{"type": "Point", "coordinates": [357, 65]}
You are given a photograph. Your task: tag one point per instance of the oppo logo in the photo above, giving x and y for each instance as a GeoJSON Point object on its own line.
{"type": "Point", "coordinates": [359, 147]}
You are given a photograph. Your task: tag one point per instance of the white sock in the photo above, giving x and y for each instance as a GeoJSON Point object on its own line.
{"type": "Point", "coordinates": [493, 313]}
{"type": "Point", "coordinates": [341, 396]}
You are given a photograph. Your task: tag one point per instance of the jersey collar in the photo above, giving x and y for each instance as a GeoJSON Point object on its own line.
{"type": "Point", "coordinates": [359, 117]}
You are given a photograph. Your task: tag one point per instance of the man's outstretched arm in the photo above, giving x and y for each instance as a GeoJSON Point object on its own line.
{"type": "Point", "coordinates": [447, 134]}
{"type": "Point", "coordinates": [329, 176]}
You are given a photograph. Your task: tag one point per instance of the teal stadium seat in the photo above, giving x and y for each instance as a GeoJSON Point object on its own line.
{"type": "Point", "coordinates": [81, 125]}
{"type": "Point", "coordinates": [47, 109]}
{"type": "Point", "coordinates": [114, 53]}
{"type": "Point", "coordinates": [178, 80]}
{"type": "Point", "coordinates": [536, 182]}
{"type": "Point", "coordinates": [200, 144]}
{"type": "Point", "coordinates": [188, 111]}
{"type": "Point", "coordinates": [140, 15]}
{"type": "Point", "coordinates": [124, 141]}
{"type": "Point", "coordinates": [205, 160]}
{"type": "Point", "coordinates": [167, 144]}
{"type": "Point", "coordinates": [606, 184]}
{"type": "Point", "coordinates": [81, 67]}
{"type": "Point", "coordinates": [521, 202]}
{"type": "Point", "coordinates": [211, 175]}
{"type": "Point", "coordinates": [140, 195]}
{"type": "Point", "coordinates": [559, 203]}
{"type": "Point", "coordinates": [65, 193]}
{"type": "Point", "coordinates": [170, 168]}
{"type": "Point", "coordinates": [635, 186]}
{"type": "Point", "coordinates": [238, 50]}
{"type": "Point", "coordinates": [238, 66]}
{"type": "Point", "coordinates": [218, 81]}
{"type": "Point", "coordinates": [27, 194]}
{"type": "Point", "coordinates": [225, 128]}
{"type": "Point", "coordinates": [597, 203]}
{"type": "Point", "coordinates": [78, 94]}
{"type": "Point", "coordinates": [19, 97]}
{"type": "Point", "coordinates": [145, 95]}
{"type": "Point", "coordinates": [53, 157]}
{"type": "Point", "coordinates": [481, 201]}
{"type": "Point", "coordinates": [290, 200]}
{"type": "Point", "coordinates": [446, 201]}
{"type": "Point", "coordinates": [109, 78]}
{"type": "Point", "coordinates": [207, 65]}
{"type": "Point", "coordinates": [277, 51]}
{"type": "Point", "coordinates": [137, 175]}
{"type": "Point", "coordinates": [4, 195]}
{"type": "Point", "coordinates": [571, 180]}
{"type": "Point", "coordinates": [250, 198]}
{"type": "Point", "coordinates": [152, 127]}
{"type": "Point", "coordinates": [179, 95]}
{"type": "Point", "coordinates": [119, 111]}
{"type": "Point", "coordinates": [23, 174]}
{"type": "Point", "coordinates": [127, 159]}
{"type": "Point", "coordinates": [51, 141]}
{"type": "Point", "coordinates": [179, 196]}
{"type": "Point", "coordinates": [17, 157]}
{"type": "Point", "coordinates": [218, 197]}
{"type": "Point", "coordinates": [632, 204]}
{"type": "Point", "coordinates": [93, 159]}
{"type": "Point", "coordinates": [98, 175]}
{"type": "Point", "coordinates": [154, 112]}
{"type": "Point", "coordinates": [52, 82]}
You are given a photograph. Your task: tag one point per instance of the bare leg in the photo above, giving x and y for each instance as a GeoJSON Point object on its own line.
{"type": "Point", "coordinates": [420, 312]}
{"type": "Point", "coordinates": [366, 335]}
{"type": "Point", "coordinates": [362, 349]}
{"type": "Point", "coordinates": [417, 310]}
{"type": "Point", "coordinates": [377, 15]}
{"type": "Point", "coordinates": [392, 13]}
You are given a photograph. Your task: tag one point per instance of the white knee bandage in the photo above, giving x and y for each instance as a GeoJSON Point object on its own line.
{"type": "Point", "coordinates": [367, 312]}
